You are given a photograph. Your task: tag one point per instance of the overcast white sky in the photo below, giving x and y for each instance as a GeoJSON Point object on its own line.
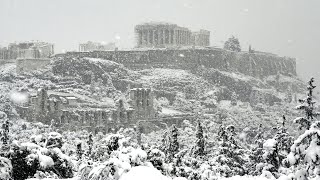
{"type": "Point", "coordinates": [285, 27]}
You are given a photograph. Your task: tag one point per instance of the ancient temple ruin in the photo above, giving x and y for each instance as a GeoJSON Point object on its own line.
{"type": "Point", "coordinates": [74, 111]}
{"type": "Point", "coordinates": [169, 35]}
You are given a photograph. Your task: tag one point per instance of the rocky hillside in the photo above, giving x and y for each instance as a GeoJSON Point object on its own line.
{"type": "Point", "coordinates": [218, 95]}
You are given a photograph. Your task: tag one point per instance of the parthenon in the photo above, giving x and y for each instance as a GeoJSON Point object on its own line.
{"type": "Point", "coordinates": [168, 35]}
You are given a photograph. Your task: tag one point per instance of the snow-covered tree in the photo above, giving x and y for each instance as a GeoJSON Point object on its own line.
{"type": "Point", "coordinates": [231, 157]}
{"type": "Point", "coordinates": [257, 151]}
{"type": "Point", "coordinates": [271, 157]}
{"type": "Point", "coordinates": [174, 144]}
{"type": "Point", "coordinates": [305, 152]}
{"type": "Point", "coordinates": [307, 105]}
{"type": "Point", "coordinates": [5, 132]}
{"type": "Point", "coordinates": [284, 140]}
{"type": "Point", "coordinates": [232, 44]}
{"type": "Point", "coordinates": [157, 158]}
{"type": "Point", "coordinates": [90, 144]}
{"type": "Point", "coordinates": [79, 149]}
{"type": "Point", "coordinates": [170, 141]}
{"type": "Point", "coordinates": [199, 148]}
{"type": "Point", "coordinates": [275, 150]}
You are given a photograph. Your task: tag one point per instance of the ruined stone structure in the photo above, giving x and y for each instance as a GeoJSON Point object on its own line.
{"type": "Point", "coordinates": [257, 64]}
{"type": "Point", "coordinates": [169, 35]}
{"type": "Point", "coordinates": [66, 110]}
{"type": "Point", "coordinates": [31, 50]}
{"type": "Point", "coordinates": [95, 46]}
{"type": "Point", "coordinates": [201, 38]}
{"type": "Point", "coordinates": [4, 53]}
{"type": "Point", "coordinates": [74, 112]}
{"type": "Point", "coordinates": [141, 100]}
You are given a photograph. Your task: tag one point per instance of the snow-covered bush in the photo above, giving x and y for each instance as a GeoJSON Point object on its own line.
{"type": "Point", "coordinates": [157, 158]}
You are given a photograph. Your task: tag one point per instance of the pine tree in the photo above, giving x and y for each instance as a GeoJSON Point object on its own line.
{"type": "Point", "coordinates": [230, 153]}
{"type": "Point", "coordinates": [90, 144]}
{"type": "Point", "coordinates": [173, 143]}
{"type": "Point", "coordinates": [257, 151]}
{"type": "Point", "coordinates": [79, 150]}
{"type": "Point", "coordinates": [200, 143]}
{"type": "Point", "coordinates": [307, 105]}
{"type": "Point", "coordinates": [271, 155]}
{"type": "Point", "coordinates": [284, 139]}
{"type": "Point", "coordinates": [232, 44]}
{"type": "Point", "coordinates": [164, 142]}
{"type": "Point", "coordinates": [277, 148]}
{"type": "Point", "coordinates": [304, 153]}
{"type": "Point", "coordinates": [5, 132]}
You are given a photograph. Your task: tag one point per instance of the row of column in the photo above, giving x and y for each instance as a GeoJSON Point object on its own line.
{"type": "Point", "coordinates": [163, 37]}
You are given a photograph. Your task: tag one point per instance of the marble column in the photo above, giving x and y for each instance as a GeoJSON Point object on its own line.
{"type": "Point", "coordinates": [164, 36]}
{"type": "Point", "coordinates": [143, 34]}
{"type": "Point", "coordinates": [187, 38]}
{"type": "Point", "coordinates": [159, 37]}
{"type": "Point", "coordinates": [174, 37]}
{"type": "Point", "coordinates": [148, 37]}
{"type": "Point", "coordinates": [139, 37]}
{"type": "Point", "coordinates": [180, 37]}
{"type": "Point", "coordinates": [183, 37]}
{"type": "Point", "coordinates": [186, 33]}
{"type": "Point", "coordinates": [153, 37]}
{"type": "Point", "coordinates": [177, 37]}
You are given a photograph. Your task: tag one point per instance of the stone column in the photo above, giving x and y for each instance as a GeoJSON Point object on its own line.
{"type": "Point", "coordinates": [170, 36]}
{"type": "Point", "coordinates": [148, 37]}
{"type": "Point", "coordinates": [188, 38]}
{"type": "Point", "coordinates": [139, 37]}
{"type": "Point", "coordinates": [183, 37]}
{"type": "Point", "coordinates": [153, 37]}
{"type": "Point", "coordinates": [174, 37]}
{"type": "Point", "coordinates": [177, 37]}
{"type": "Point", "coordinates": [164, 36]}
{"type": "Point", "coordinates": [180, 37]}
{"type": "Point", "coordinates": [159, 40]}
{"type": "Point", "coordinates": [143, 36]}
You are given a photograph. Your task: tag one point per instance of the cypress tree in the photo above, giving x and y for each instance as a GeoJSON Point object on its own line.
{"type": "Point", "coordinates": [200, 147]}
{"type": "Point", "coordinates": [173, 143]}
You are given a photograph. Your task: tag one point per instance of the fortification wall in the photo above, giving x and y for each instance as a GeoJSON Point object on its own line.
{"type": "Point", "coordinates": [254, 64]}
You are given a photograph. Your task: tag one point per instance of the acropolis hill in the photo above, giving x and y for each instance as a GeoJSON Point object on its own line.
{"type": "Point", "coordinates": [167, 45]}
{"type": "Point", "coordinates": [254, 64]}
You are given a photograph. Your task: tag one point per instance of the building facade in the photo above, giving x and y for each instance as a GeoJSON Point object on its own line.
{"type": "Point", "coordinates": [96, 46]}
{"type": "Point", "coordinates": [168, 35]}
{"type": "Point", "coordinates": [201, 38]}
{"type": "Point", "coordinates": [27, 50]}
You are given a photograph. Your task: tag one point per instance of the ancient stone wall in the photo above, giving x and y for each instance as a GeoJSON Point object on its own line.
{"type": "Point", "coordinates": [253, 64]}
{"type": "Point", "coordinates": [29, 65]}
{"type": "Point", "coordinates": [142, 103]}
